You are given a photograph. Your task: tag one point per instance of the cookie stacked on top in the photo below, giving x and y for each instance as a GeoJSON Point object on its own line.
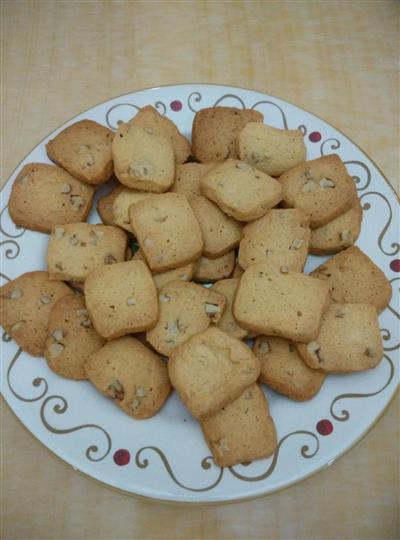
{"type": "Point", "coordinates": [240, 210]}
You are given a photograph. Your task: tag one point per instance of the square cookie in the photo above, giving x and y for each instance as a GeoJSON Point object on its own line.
{"type": "Point", "coordinates": [283, 369]}
{"type": "Point", "coordinates": [74, 250]}
{"type": "Point", "coordinates": [143, 159]}
{"type": "Point", "coordinates": [240, 190]}
{"type": "Point", "coordinates": [354, 278]}
{"type": "Point", "coordinates": [167, 231]}
{"type": "Point", "coordinates": [349, 340]}
{"type": "Point", "coordinates": [211, 370]}
{"type": "Point", "coordinates": [185, 310]}
{"type": "Point", "coordinates": [215, 130]}
{"type": "Point", "coordinates": [26, 303]}
{"type": "Point", "coordinates": [221, 233]}
{"type": "Point", "coordinates": [280, 304]}
{"type": "Point", "coordinates": [322, 187]}
{"type": "Point", "coordinates": [134, 377]}
{"type": "Point", "coordinates": [71, 338]}
{"type": "Point", "coordinates": [45, 195]}
{"type": "Point", "coordinates": [121, 299]}
{"type": "Point", "coordinates": [271, 150]}
{"type": "Point", "coordinates": [105, 205]}
{"type": "Point", "coordinates": [209, 270]}
{"type": "Point", "coordinates": [148, 117]}
{"type": "Point", "coordinates": [187, 178]}
{"type": "Point", "coordinates": [183, 273]}
{"type": "Point", "coordinates": [125, 198]}
{"type": "Point", "coordinates": [84, 150]}
{"type": "Point", "coordinates": [281, 238]}
{"type": "Point", "coordinates": [227, 323]}
{"type": "Point", "coordinates": [338, 234]}
{"type": "Point", "coordinates": [242, 430]}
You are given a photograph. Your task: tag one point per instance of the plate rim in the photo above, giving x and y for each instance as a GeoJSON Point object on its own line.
{"type": "Point", "coordinates": [245, 498]}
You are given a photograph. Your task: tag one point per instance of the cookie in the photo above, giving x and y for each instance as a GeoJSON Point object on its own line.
{"type": "Point", "coordinates": [242, 430]}
{"type": "Point", "coordinates": [143, 159]}
{"type": "Point", "coordinates": [185, 310]}
{"type": "Point", "coordinates": [283, 369]}
{"type": "Point", "coordinates": [281, 238]}
{"type": "Point", "coordinates": [227, 323]}
{"type": "Point", "coordinates": [221, 233]}
{"type": "Point", "coordinates": [134, 377]}
{"type": "Point", "coordinates": [187, 178]}
{"type": "Point", "coordinates": [352, 277]}
{"type": "Point", "coordinates": [84, 150]}
{"type": "Point", "coordinates": [148, 117]}
{"type": "Point", "coordinates": [45, 195]}
{"type": "Point", "coordinates": [280, 304]}
{"type": "Point", "coordinates": [215, 130]}
{"type": "Point", "coordinates": [26, 303]}
{"type": "Point", "coordinates": [208, 270]}
{"type": "Point", "coordinates": [349, 340]}
{"type": "Point", "coordinates": [121, 299]}
{"type": "Point", "coordinates": [211, 370]}
{"type": "Point", "coordinates": [271, 150]}
{"type": "Point", "coordinates": [121, 204]}
{"type": "Point", "coordinates": [75, 249]}
{"type": "Point", "coordinates": [322, 187]}
{"type": "Point", "coordinates": [338, 234]}
{"type": "Point", "coordinates": [167, 231]}
{"type": "Point", "coordinates": [240, 190]}
{"type": "Point", "coordinates": [71, 338]}
{"type": "Point", "coordinates": [105, 205]}
{"type": "Point", "coordinates": [183, 273]}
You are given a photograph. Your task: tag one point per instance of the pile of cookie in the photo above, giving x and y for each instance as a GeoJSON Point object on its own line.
{"type": "Point", "coordinates": [238, 211]}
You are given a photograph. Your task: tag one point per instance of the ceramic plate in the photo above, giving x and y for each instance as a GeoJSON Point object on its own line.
{"type": "Point", "coordinates": [166, 457]}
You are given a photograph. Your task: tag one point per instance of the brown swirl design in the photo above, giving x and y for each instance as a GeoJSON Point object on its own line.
{"type": "Point", "coordinates": [265, 102]}
{"type": "Point", "coordinates": [386, 336]}
{"type": "Point", "coordinates": [117, 106]}
{"type": "Point", "coordinates": [389, 306]}
{"type": "Point", "coordinates": [37, 383]}
{"type": "Point", "coordinates": [345, 415]}
{"type": "Point", "coordinates": [12, 249]}
{"type": "Point", "coordinates": [3, 213]}
{"type": "Point", "coordinates": [367, 206]}
{"type": "Point", "coordinates": [193, 97]}
{"type": "Point", "coordinates": [356, 178]}
{"type": "Point", "coordinates": [61, 409]}
{"type": "Point", "coordinates": [205, 464]}
{"type": "Point", "coordinates": [334, 145]}
{"type": "Point", "coordinates": [303, 129]}
{"type": "Point", "coordinates": [305, 452]}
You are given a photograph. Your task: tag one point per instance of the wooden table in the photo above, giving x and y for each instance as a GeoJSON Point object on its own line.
{"type": "Point", "coordinates": [336, 59]}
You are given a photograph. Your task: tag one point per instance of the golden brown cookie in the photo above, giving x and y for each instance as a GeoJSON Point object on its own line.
{"type": "Point", "coordinates": [71, 338]}
{"type": "Point", "coordinates": [211, 370]}
{"type": "Point", "coordinates": [105, 205]}
{"type": "Point", "coordinates": [134, 377]}
{"type": "Point", "coordinates": [187, 178]}
{"type": "Point", "coordinates": [208, 270]}
{"type": "Point", "coordinates": [84, 150]}
{"type": "Point", "coordinates": [227, 323]}
{"type": "Point", "coordinates": [26, 303]}
{"type": "Point", "coordinates": [122, 203]}
{"type": "Point", "coordinates": [242, 430]}
{"type": "Point", "coordinates": [283, 369]}
{"type": "Point", "coordinates": [183, 273]}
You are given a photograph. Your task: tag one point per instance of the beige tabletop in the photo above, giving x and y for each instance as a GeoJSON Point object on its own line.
{"type": "Point", "coordinates": [337, 59]}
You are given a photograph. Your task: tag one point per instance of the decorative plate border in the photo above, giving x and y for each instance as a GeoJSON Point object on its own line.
{"type": "Point", "coordinates": [324, 427]}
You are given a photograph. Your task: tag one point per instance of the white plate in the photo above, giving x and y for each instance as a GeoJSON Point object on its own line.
{"type": "Point", "coordinates": [166, 457]}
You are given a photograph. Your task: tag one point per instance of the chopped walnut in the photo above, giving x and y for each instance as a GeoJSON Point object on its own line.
{"type": "Point", "coordinates": [65, 188]}
{"type": "Point", "coordinates": [16, 294]}
{"type": "Point", "coordinates": [109, 259]}
{"type": "Point", "coordinates": [58, 233]}
{"type": "Point", "coordinates": [309, 186]}
{"type": "Point", "coordinates": [264, 347]}
{"type": "Point", "coordinates": [58, 335]}
{"type": "Point", "coordinates": [45, 299]}
{"type": "Point", "coordinates": [116, 390]}
{"type": "Point", "coordinates": [297, 243]}
{"type": "Point", "coordinates": [327, 183]}
{"type": "Point", "coordinates": [56, 349]}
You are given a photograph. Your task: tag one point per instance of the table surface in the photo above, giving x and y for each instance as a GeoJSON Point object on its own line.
{"type": "Point", "coordinates": [336, 59]}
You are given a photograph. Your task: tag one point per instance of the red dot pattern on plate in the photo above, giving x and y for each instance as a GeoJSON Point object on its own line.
{"type": "Point", "coordinates": [122, 457]}
{"type": "Point", "coordinates": [176, 105]}
{"type": "Point", "coordinates": [324, 427]}
{"type": "Point", "coordinates": [395, 265]}
{"type": "Point", "coordinates": [315, 136]}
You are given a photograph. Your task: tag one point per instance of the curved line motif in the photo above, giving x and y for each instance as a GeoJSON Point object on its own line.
{"type": "Point", "coordinates": [6, 337]}
{"type": "Point", "coordinates": [61, 409]}
{"type": "Point", "coordinates": [389, 306]}
{"type": "Point", "coordinates": [303, 129]}
{"type": "Point", "coordinates": [5, 277]}
{"type": "Point", "coordinates": [9, 252]}
{"type": "Point", "coordinates": [196, 97]}
{"type": "Point", "coordinates": [36, 382]}
{"type": "Point", "coordinates": [367, 206]}
{"type": "Point", "coordinates": [356, 178]}
{"type": "Point", "coordinates": [335, 144]}
{"type": "Point", "coordinates": [204, 463]}
{"type": "Point", "coordinates": [284, 121]}
{"type": "Point", "coordinates": [160, 105]}
{"type": "Point", "coordinates": [386, 336]}
{"type": "Point", "coordinates": [9, 235]}
{"type": "Point", "coordinates": [226, 96]}
{"type": "Point", "coordinates": [115, 107]}
{"type": "Point", "coordinates": [304, 452]}
{"type": "Point", "coordinates": [345, 415]}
